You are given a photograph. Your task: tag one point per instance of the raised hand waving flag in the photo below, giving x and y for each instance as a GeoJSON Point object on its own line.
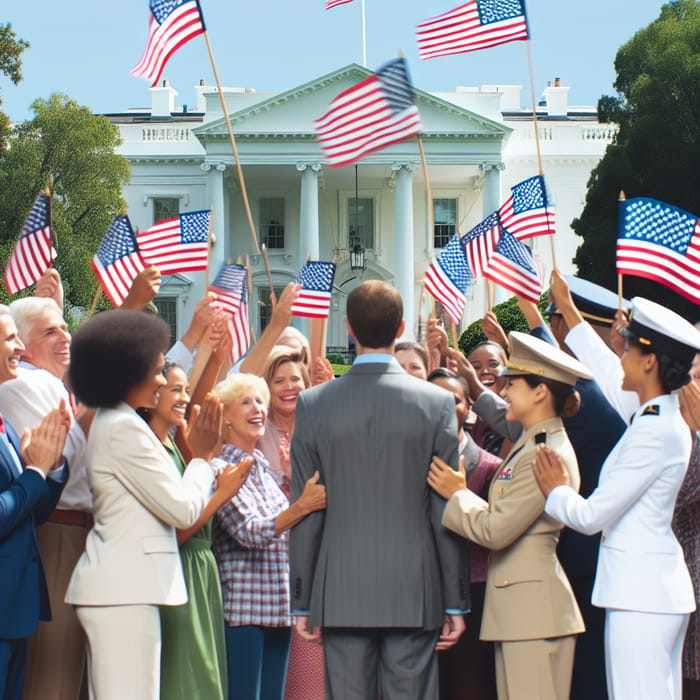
{"type": "Point", "coordinates": [528, 212]}
{"type": "Point", "coordinates": [476, 25]}
{"type": "Point", "coordinates": [177, 245]}
{"type": "Point", "coordinates": [316, 279]}
{"type": "Point", "coordinates": [172, 23]}
{"type": "Point", "coordinates": [378, 111]}
{"type": "Point", "coordinates": [447, 278]}
{"type": "Point", "coordinates": [117, 261]}
{"type": "Point", "coordinates": [660, 242]}
{"type": "Point", "coordinates": [33, 251]}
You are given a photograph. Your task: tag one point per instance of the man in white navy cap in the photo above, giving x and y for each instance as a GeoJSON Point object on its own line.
{"type": "Point", "coordinates": [642, 579]}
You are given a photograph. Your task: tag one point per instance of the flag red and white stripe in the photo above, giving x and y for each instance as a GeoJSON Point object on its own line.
{"type": "Point", "coordinates": [366, 117]}
{"type": "Point", "coordinates": [476, 25]}
{"type": "Point", "coordinates": [33, 251]}
{"type": "Point", "coordinates": [335, 3]}
{"type": "Point", "coordinates": [172, 23]}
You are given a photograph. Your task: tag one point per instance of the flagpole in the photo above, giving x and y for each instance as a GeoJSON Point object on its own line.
{"type": "Point", "coordinates": [96, 298]}
{"type": "Point", "coordinates": [364, 36]}
{"type": "Point", "coordinates": [268, 272]}
{"type": "Point", "coordinates": [239, 170]}
{"type": "Point", "coordinates": [536, 127]}
{"type": "Point", "coordinates": [621, 198]}
{"type": "Point", "coordinates": [250, 287]}
{"type": "Point", "coordinates": [54, 238]}
{"type": "Point", "coordinates": [428, 190]}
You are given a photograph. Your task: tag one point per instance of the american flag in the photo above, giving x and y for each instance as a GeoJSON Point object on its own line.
{"type": "Point", "coordinates": [660, 242]}
{"type": "Point", "coordinates": [117, 261]}
{"type": "Point", "coordinates": [528, 212]}
{"type": "Point", "coordinates": [333, 3]}
{"type": "Point", "coordinates": [177, 245]}
{"type": "Point", "coordinates": [316, 279]}
{"type": "Point", "coordinates": [447, 278]}
{"type": "Point", "coordinates": [231, 288]}
{"type": "Point", "coordinates": [33, 251]}
{"type": "Point", "coordinates": [513, 267]}
{"type": "Point", "coordinates": [477, 25]}
{"type": "Point", "coordinates": [480, 242]}
{"type": "Point", "coordinates": [172, 23]}
{"type": "Point", "coordinates": [376, 112]}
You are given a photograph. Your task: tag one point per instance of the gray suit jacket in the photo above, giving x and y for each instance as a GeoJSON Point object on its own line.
{"type": "Point", "coordinates": [378, 556]}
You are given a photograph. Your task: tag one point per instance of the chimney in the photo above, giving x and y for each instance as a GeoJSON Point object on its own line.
{"type": "Point", "coordinates": [199, 90]}
{"type": "Point", "coordinates": [162, 100]}
{"type": "Point", "coordinates": [557, 99]}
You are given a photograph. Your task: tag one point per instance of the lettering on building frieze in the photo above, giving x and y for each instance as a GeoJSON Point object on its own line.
{"type": "Point", "coordinates": [165, 134]}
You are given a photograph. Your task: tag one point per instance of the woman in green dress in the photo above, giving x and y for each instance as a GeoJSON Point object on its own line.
{"type": "Point", "coordinates": [193, 655]}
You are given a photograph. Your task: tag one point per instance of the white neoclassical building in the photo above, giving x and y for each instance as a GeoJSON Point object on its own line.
{"type": "Point", "coordinates": [478, 143]}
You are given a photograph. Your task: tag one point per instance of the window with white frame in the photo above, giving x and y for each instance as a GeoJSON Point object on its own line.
{"type": "Point", "coordinates": [361, 221]}
{"type": "Point", "coordinates": [272, 222]}
{"type": "Point", "coordinates": [165, 208]}
{"type": "Point", "coordinates": [444, 220]}
{"type": "Point", "coordinates": [167, 310]}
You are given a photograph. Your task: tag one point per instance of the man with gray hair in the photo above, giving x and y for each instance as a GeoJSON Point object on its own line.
{"type": "Point", "coordinates": [56, 653]}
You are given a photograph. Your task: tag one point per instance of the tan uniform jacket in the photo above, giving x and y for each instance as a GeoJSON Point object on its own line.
{"type": "Point", "coordinates": [527, 593]}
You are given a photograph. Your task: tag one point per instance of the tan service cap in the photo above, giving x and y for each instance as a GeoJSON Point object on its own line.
{"type": "Point", "coordinates": [530, 355]}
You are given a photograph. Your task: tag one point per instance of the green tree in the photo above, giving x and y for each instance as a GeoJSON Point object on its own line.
{"type": "Point", "coordinates": [67, 147]}
{"type": "Point", "coordinates": [509, 316]}
{"type": "Point", "coordinates": [10, 65]}
{"type": "Point", "coordinates": [657, 149]}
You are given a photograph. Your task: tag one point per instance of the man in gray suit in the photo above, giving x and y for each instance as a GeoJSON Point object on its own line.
{"type": "Point", "coordinates": [376, 571]}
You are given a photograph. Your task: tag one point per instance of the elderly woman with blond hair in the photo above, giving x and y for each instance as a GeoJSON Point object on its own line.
{"type": "Point", "coordinates": [251, 548]}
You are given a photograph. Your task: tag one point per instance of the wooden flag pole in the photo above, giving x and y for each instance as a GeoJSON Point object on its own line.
{"type": "Point", "coordinates": [490, 294]}
{"type": "Point", "coordinates": [250, 287]}
{"type": "Point", "coordinates": [268, 272]}
{"type": "Point", "coordinates": [96, 298]}
{"type": "Point", "coordinates": [239, 170]}
{"type": "Point", "coordinates": [622, 198]}
{"type": "Point", "coordinates": [428, 190]}
{"type": "Point", "coordinates": [536, 127]}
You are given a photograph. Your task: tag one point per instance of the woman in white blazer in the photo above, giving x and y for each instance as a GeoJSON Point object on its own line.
{"type": "Point", "coordinates": [642, 580]}
{"type": "Point", "coordinates": [131, 565]}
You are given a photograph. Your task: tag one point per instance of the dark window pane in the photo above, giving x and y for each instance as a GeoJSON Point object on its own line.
{"type": "Point", "coordinates": [361, 221]}
{"type": "Point", "coordinates": [165, 208]}
{"type": "Point", "coordinates": [272, 222]}
{"type": "Point", "coordinates": [167, 310]}
{"type": "Point", "coordinates": [444, 221]}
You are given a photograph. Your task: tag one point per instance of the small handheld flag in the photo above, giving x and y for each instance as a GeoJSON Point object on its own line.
{"type": "Point", "coordinates": [172, 23]}
{"type": "Point", "coordinates": [117, 261]}
{"type": "Point", "coordinates": [230, 286]}
{"type": "Point", "coordinates": [660, 242]}
{"type": "Point", "coordinates": [480, 243]}
{"type": "Point", "coordinates": [512, 266]}
{"type": "Point", "coordinates": [314, 299]}
{"type": "Point", "coordinates": [528, 212]}
{"type": "Point", "coordinates": [378, 111]}
{"type": "Point", "coordinates": [447, 278]}
{"type": "Point", "coordinates": [177, 245]}
{"type": "Point", "coordinates": [33, 251]}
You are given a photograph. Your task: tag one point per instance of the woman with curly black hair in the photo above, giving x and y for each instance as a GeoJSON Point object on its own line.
{"type": "Point", "coordinates": [642, 579]}
{"type": "Point", "coordinates": [131, 565]}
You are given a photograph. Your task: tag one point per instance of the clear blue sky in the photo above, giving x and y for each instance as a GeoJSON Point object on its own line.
{"type": "Point", "coordinates": [86, 48]}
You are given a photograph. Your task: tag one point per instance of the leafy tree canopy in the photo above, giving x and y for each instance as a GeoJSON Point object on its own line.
{"type": "Point", "coordinates": [10, 65]}
{"type": "Point", "coordinates": [657, 149]}
{"type": "Point", "coordinates": [66, 147]}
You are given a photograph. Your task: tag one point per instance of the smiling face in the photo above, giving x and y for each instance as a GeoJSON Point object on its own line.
{"type": "Point", "coordinates": [412, 363]}
{"type": "Point", "coordinates": [461, 402]}
{"type": "Point", "coordinates": [635, 365]}
{"type": "Point", "coordinates": [521, 397]}
{"type": "Point", "coordinates": [10, 348]}
{"type": "Point", "coordinates": [244, 420]}
{"type": "Point", "coordinates": [488, 362]}
{"type": "Point", "coordinates": [285, 386]}
{"type": "Point", "coordinates": [48, 343]}
{"type": "Point", "coordinates": [173, 398]}
{"type": "Point", "coordinates": [146, 394]}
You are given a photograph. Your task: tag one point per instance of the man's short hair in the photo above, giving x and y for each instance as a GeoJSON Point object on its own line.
{"type": "Point", "coordinates": [26, 310]}
{"type": "Point", "coordinates": [374, 311]}
{"type": "Point", "coordinates": [113, 352]}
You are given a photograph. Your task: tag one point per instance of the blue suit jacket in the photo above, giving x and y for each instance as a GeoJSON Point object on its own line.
{"type": "Point", "coordinates": [26, 500]}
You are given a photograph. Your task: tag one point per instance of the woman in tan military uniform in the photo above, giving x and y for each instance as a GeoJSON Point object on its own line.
{"type": "Point", "coordinates": [530, 610]}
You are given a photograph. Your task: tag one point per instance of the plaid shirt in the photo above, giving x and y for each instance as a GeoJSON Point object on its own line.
{"type": "Point", "coordinates": [253, 561]}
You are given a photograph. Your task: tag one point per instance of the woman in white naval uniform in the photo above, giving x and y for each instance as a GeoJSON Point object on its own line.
{"type": "Point", "coordinates": [642, 579]}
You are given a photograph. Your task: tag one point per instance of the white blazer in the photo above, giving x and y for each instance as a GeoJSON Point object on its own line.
{"type": "Point", "coordinates": [641, 565]}
{"type": "Point", "coordinates": [131, 554]}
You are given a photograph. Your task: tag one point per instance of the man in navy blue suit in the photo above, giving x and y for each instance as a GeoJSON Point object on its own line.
{"type": "Point", "coordinates": [32, 476]}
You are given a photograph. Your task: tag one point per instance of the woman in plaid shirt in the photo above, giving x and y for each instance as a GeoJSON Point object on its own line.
{"type": "Point", "coordinates": [250, 544]}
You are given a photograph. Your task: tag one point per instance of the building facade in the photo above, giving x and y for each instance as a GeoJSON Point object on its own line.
{"type": "Point", "coordinates": [477, 142]}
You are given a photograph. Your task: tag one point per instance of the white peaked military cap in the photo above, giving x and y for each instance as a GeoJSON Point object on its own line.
{"type": "Point", "coordinates": [530, 355]}
{"type": "Point", "coordinates": [662, 330]}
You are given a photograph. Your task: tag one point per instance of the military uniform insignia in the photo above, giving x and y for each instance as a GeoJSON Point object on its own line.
{"type": "Point", "coordinates": [505, 473]}
{"type": "Point", "coordinates": [652, 410]}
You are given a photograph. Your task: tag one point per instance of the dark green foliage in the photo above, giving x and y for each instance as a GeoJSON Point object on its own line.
{"type": "Point", "coordinates": [657, 150]}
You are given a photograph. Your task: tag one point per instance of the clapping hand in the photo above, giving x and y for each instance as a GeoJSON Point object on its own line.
{"type": "Point", "coordinates": [204, 428]}
{"type": "Point", "coordinates": [42, 446]}
{"type": "Point", "coordinates": [233, 476]}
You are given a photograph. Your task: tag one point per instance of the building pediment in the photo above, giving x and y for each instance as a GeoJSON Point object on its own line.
{"type": "Point", "coordinates": [290, 115]}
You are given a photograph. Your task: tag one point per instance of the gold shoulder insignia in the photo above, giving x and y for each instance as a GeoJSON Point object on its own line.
{"type": "Point", "coordinates": [652, 410]}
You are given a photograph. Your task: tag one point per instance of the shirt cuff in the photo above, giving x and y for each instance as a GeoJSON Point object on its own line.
{"type": "Point", "coordinates": [300, 613]}
{"type": "Point", "coordinates": [57, 474]}
{"type": "Point", "coordinates": [38, 471]}
{"type": "Point", "coordinates": [456, 611]}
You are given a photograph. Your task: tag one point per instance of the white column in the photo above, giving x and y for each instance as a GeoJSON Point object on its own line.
{"type": "Point", "coordinates": [404, 272]}
{"type": "Point", "coordinates": [215, 193]}
{"type": "Point", "coordinates": [308, 218]}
